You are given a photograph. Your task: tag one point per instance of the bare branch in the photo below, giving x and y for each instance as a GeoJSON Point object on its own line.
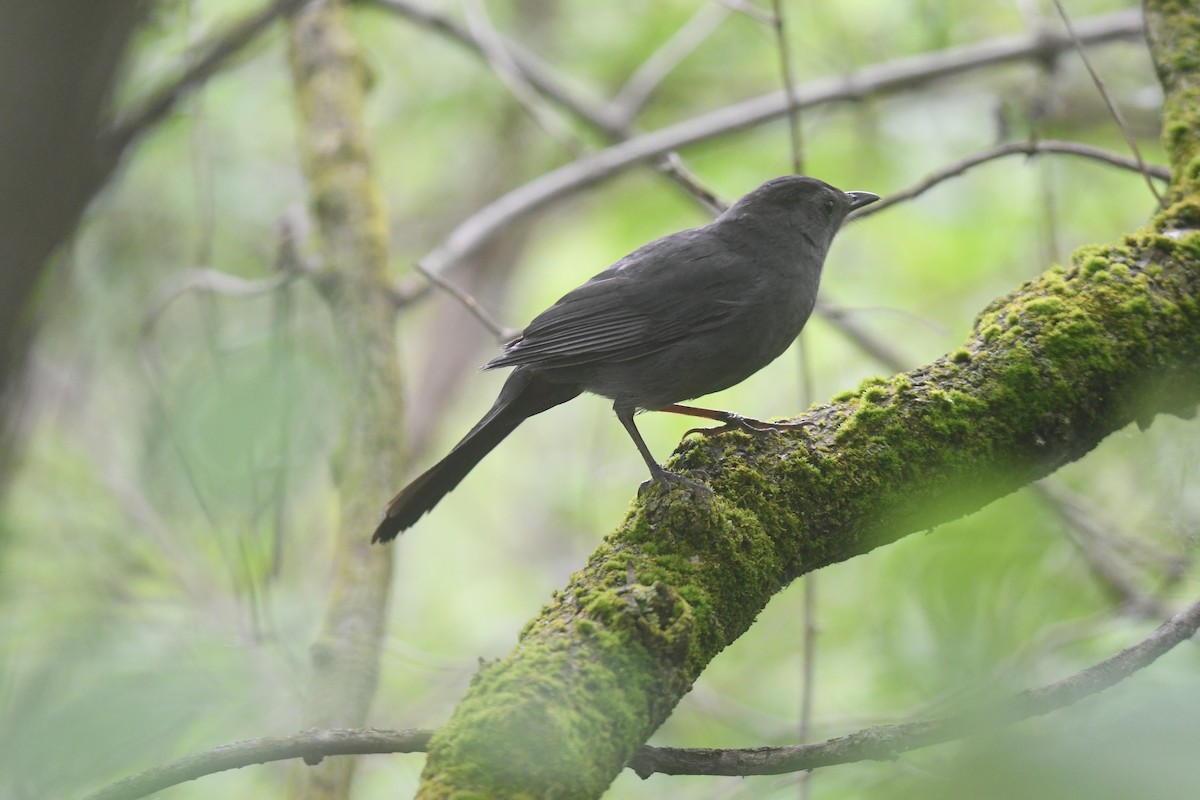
{"type": "Point", "coordinates": [536, 72]}
{"type": "Point", "coordinates": [310, 745]}
{"type": "Point", "coordinates": [646, 78]}
{"type": "Point", "coordinates": [503, 63]}
{"type": "Point", "coordinates": [880, 743]}
{"type": "Point", "coordinates": [1008, 149]}
{"type": "Point", "coordinates": [892, 76]}
{"type": "Point", "coordinates": [467, 300]}
{"type": "Point", "coordinates": [789, 87]}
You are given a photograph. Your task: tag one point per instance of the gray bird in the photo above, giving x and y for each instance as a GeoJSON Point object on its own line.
{"type": "Point", "coordinates": [683, 316]}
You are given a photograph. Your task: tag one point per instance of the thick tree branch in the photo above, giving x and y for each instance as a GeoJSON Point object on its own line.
{"type": "Point", "coordinates": [1048, 372]}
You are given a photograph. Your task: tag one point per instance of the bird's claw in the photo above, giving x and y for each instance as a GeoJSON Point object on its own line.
{"type": "Point", "coordinates": [668, 478]}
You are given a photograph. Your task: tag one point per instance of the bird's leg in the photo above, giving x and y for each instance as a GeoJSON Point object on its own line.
{"type": "Point", "coordinates": [732, 421]}
{"type": "Point", "coordinates": [625, 414]}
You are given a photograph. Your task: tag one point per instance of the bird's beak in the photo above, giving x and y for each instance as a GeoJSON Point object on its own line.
{"type": "Point", "coordinates": [860, 199]}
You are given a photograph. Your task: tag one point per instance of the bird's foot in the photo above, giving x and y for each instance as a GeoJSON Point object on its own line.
{"type": "Point", "coordinates": [667, 479]}
{"type": "Point", "coordinates": [736, 422]}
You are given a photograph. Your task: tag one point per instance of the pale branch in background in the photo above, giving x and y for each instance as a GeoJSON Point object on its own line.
{"type": "Point", "coordinates": [506, 68]}
{"type": "Point", "coordinates": [632, 97]}
{"type": "Point", "coordinates": [892, 76]}
{"type": "Point", "coordinates": [468, 302]}
{"type": "Point", "coordinates": [1030, 148]}
{"type": "Point", "coordinates": [538, 73]}
{"type": "Point", "coordinates": [779, 26]}
{"type": "Point", "coordinates": [878, 743]}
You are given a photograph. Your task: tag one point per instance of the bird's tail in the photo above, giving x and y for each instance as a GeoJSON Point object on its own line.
{"type": "Point", "coordinates": [525, 393]}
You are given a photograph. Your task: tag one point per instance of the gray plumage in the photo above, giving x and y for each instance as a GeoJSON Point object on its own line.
{"type": "Point", "coordinates": [683, 316]}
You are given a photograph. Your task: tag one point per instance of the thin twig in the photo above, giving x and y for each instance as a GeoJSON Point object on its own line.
{"type": "Point", "coordinates": [1108, 101]}
{"type": "Point", "coordinates": [210, 281]}
{"type": "Point", "coordinates": [214, 56]}
{"type": "Point", "coordinates": [880, 743]}
{"type": "Point", "coordinates": [467, 300]}
{"type": "Point", "coordinates": [631, 98]}
{"type": "Point", "coordinates": [808, 672]}
{"type": "Point", "coordinates": [779, 26]}
{"type": "Point", "coordinates": [1008, 149]}
{"type": "Point", "coordinates": [310, 745]}
{"type": "Point", "coordinates": [672, 166]}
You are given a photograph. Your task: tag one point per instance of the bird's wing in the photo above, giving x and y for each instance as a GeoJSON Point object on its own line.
{"type": "Point", "coordinates": [638, 306]}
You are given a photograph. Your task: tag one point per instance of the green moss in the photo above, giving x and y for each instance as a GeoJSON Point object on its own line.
{"type": "Point", "coordinates": [990, 332]}
{"type": "Point", "coordinates": [875, 394]}
{"type": "Point", "coordinates": [961, 356]}
{"type": "Point", "coordinates": [1044, 306]}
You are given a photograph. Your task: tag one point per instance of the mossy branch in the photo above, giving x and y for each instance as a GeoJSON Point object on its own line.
{"type": "Point", "coordinates": [1047, 373]}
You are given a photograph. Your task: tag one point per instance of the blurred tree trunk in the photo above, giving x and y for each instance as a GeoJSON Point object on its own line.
{"type": "Point", "coordinates": [330, 80]}
{"type": "Point", "coordinates": [59, 62]}
{"type": "Point", "coordinates": [1049, 371]}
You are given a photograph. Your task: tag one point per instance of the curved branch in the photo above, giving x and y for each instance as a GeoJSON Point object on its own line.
{"type": "Point", "coordinates": [891, 76]}
{"type": "Point", "coordinates": [1012, 148]}
{"type": "Point", "coordinates": [878, 743]}
{"type": "Point", "coordinates": [310, 745]}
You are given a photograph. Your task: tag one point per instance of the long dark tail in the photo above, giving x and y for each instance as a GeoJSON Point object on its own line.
{"type": "Point", "coordinates": [525, 393]}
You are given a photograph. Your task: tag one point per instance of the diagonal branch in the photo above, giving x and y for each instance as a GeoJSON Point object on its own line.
{"type": "Point", "coordinates": [631, 98]}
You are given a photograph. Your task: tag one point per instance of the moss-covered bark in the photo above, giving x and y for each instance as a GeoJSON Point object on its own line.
{"type": "Point", "coordinates": [330, 81]}
{"type": "Point", "coordinates": [1049, 371]}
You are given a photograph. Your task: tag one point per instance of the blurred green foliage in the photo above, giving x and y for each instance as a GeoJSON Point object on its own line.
{"type": "Point", "coordinates": [164, 546]}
